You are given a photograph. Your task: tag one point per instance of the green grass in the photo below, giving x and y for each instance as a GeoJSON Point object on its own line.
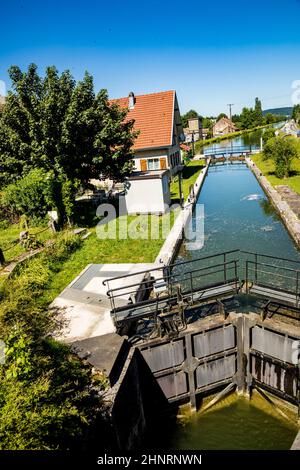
{"type": "Point", "coordinates": [189, 175]}
{"type": "Point", "coordinates": [10, 236]}
{"type": "Point", "coordinates": [96, 250]}
{"type": "Point", "coordinates": [268, 170]}
{"type": "Point", "coordinates": [143, 249]}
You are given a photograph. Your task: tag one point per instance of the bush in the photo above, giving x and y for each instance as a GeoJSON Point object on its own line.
{"type": "Point", "coordinates": [281, 150]}
{"type": "Point", "coordinates": [31, 195]}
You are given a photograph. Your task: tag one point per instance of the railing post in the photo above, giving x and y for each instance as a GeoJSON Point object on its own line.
{"type": "Point", "coordinates": [235, 274]}
{"type": "Point", "coordinates": [192, 287]}
{"type": "Point", "coordinates": [297, 288]}
{"type": "Point", "coordinates": [255, 267]}
{"type": "Point", "coordinates": [247, 290]}
{"type": "Point", "coordinates": [225, 273]}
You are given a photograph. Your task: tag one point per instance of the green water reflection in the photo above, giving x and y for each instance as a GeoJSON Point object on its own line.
{"type": "Point", "coordinates": [236, 424]}
{"type": "Point", "coordinates": [237, 215]}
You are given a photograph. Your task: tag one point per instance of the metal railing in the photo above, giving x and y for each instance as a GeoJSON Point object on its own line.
{"type": "Point", "coordinates": [202, 278]}
{"type": "Point", "coordinates": [234, 150]}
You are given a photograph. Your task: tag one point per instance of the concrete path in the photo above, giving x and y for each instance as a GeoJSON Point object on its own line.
{"type": "Point", "coordinates": [84, 305]}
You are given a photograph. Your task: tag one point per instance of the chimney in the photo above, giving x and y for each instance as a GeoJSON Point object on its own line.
{"type": "Point", "coordinates": [131, 100]}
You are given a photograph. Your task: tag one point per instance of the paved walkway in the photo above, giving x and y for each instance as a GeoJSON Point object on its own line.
{"type": "Point", "coordinates": [84, 305]}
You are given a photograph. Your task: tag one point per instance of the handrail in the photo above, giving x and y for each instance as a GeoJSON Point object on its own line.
{"type": "Point", "coordinates": [169, 266]}
{"type": "Point", "coordinates": [269, 256]}
{"type": "Point", "coordinates": [168, 277]}
{"type": "Point", "coordinates": [196, 278]}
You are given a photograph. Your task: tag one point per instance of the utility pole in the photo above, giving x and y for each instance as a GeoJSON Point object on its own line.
{"type": "Point", "coordinates": [230, 106]}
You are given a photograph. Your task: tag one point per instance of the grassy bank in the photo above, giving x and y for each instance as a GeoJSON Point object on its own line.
{"type": "Point", "coordinates": [189, 175]}
{"type": "Point", "coordinates": [9, 239]}
{"type": "Point", "coordinates": [267, 168]}
{"type": "Point", "coordinates": [142, 249]}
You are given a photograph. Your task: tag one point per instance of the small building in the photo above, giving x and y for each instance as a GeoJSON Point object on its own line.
{"type": "Point", "coordinates": [157, 118]}
{"type": "Point", "coordinates": [194, 130]}
{"type": "Point", "coordinates": [223, 126]}
{"type": "Point", "coordinates": [148, 192]}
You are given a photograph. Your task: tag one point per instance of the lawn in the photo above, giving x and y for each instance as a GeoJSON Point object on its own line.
{"type": "Point", "coordinates": [141, 249]}
{"type": "Point", "coordinates": [268, 168]}
{"type": "Point", "coordinates": [189, 175]}
{"type": "Point", "coordinates": [9, 238]}
{"type": "Point", "coordinates": [98, 250]}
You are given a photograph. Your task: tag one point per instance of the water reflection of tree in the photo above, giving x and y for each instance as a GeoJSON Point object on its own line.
{"type": "Point", "coordinates": [252, 138]}
{"type": "Point", "coordinates": [268, 209]}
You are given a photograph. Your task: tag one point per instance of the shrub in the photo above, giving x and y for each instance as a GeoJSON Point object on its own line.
{"type": "Point", "coordinates": [282, 151]}
{"type": "Point", "coordinates": [31, 195]}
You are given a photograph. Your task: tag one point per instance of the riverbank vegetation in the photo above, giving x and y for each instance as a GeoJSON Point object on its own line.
{"type": "Point", "coordinates": [49, 398]}
{"type": "Point", "coordinates": [55, 135]}
{"type": "Point", "coordinates": [268, 167]}
{"type": "Point", "coordinates": [250, 119]}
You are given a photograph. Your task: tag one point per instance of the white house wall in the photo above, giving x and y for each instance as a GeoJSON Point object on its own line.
{"type": "Point", "coordinates": [146, 196]}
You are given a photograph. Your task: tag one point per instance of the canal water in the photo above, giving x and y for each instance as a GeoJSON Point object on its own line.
{"type": "Point", "coordinates": [250, 139]}
{"type": "Point", "coordinates": [237, 215]}
{"type": "Point", "coordinates": [236, 423]}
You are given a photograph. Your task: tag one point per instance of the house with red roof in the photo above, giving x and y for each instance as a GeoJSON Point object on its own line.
{"type": "Point", "coordinates": [157, 118]}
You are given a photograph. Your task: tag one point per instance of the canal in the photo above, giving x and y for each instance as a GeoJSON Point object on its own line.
{"type": "Point", "coordinates": [237, 215]}
{"type": "Point", "coordinates": [249, 139]}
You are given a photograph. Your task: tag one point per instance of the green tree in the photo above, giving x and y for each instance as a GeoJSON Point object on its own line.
{"type": "Point", "coordinates": [268, 134]}
{"type": "Point", "coordinates": [282, 151]}
{"type": "Point", "coordinates": [296, 113]}
{"type": "Point", "coordinates": [189, 115]}
{"type": "Point", "coordinates": [258, 115]}
{"type": "Point", "coordinates": [61, 126]}
{"type": "Point", "coordinates": [222, 115]}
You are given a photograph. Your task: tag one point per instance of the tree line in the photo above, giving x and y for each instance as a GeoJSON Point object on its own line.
{"type": "Point", "coordinates": [247, 119]}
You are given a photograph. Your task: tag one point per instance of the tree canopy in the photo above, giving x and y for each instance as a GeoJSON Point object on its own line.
{"type": "Point", "coordinates": [64, 128]}
{"type": "Point", "coordinates": [296, 113]}
{"type": "Point", "coordinates": [189, 115]}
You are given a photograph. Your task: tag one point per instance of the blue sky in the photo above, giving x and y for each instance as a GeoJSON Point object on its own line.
{"type": "Point", "coordinates": [211, 53]}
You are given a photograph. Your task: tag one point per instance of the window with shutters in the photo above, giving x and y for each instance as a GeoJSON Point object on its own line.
{"type": "Point", "coordinates": [153, 164]}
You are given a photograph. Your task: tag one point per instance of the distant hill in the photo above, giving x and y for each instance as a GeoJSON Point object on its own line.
{"type": "Point", "coordinates": [280, 111]}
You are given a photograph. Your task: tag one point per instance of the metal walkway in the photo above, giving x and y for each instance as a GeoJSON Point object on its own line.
{"type": "Point", "coordinates": [231, 151]}
{"type": "Point", "coordinates": [166, 292]}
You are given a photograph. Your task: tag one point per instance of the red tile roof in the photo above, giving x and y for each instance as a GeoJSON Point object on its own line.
{"type": "Point", "coordinates": [153, 115]}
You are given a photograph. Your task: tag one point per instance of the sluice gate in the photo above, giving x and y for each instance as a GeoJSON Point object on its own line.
{"type": "Point", "coordinates": [201, 325]}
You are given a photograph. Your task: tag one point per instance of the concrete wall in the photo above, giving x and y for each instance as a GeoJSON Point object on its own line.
{"type": "Point", "coordinates": [174, 239]}
{"type": "Point", "coordinates": [137, 404]}
{"type": "Point", "coordinates": [289, 218]}
{"type": "Point", "coordinates": [148, 195]}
